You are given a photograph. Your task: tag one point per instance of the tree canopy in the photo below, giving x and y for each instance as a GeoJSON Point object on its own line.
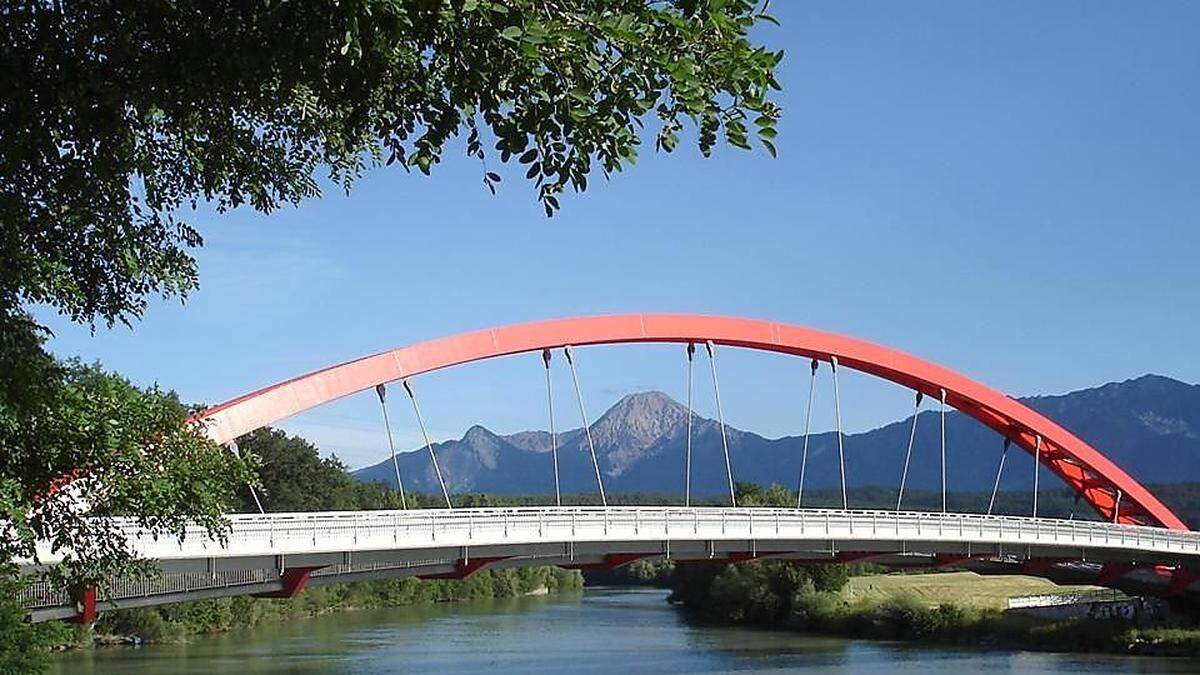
{"type": "Point", "coordinates": [296, 478]}
{"type": "Point", "coordinates": [115, 117]}
{"type": "Point", "coordinates": [89, 446]}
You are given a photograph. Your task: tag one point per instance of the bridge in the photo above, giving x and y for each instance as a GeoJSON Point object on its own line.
{"type": "Point", "coordinates": [1138, 543]}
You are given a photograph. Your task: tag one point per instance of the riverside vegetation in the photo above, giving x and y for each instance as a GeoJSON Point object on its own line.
{"type": "Point", "coordinates": [294, 477]}
{"type": "Point", "coordinates": [778, 594]}
{"type": "Point", "coordinates": [172, 623]}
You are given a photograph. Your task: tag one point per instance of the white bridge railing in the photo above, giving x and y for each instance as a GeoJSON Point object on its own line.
{"type": "Point", "coordinates": [298, 533]}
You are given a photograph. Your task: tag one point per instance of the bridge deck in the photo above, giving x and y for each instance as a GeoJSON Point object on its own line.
{"type": "Point", "coordinates": [346, 546]}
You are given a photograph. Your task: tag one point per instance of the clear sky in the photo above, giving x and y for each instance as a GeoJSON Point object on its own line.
{"type": "Point", "coordinates": [1011, 189]}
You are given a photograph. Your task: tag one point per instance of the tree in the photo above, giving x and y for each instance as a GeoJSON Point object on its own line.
{"type": "Point", "coordinates": [751, 494]}
{"type": "Point", "coordinates": [22, 648]}
{"type": "Point", "coordinates": [117, 115]}
{"type": "Point", "coordinates": [296, 478]}
{"type": "Point", "coordinates": [81, 447]}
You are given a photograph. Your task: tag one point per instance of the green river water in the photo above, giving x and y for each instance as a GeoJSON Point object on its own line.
{"type": "Point", "coordinates": [612, 631]}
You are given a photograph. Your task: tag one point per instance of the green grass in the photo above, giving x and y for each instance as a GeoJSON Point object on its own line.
{"type": "Point", "coordinates": [965, 589]}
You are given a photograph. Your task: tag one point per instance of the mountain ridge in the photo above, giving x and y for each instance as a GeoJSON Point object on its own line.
{"type": "Point", "coordinates": [1148, 425]}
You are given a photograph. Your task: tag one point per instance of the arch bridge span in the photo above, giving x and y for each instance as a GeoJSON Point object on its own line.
{"type": "Point", "coordinates": [1113, 493]}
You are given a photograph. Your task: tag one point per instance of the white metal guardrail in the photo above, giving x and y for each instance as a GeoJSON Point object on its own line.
{"type": "Point", "coordinates": [44, 594]}
{"type": "Point", "coordinates": [41, 594]}
{"type": "Point", "coordinates": [298, 533]}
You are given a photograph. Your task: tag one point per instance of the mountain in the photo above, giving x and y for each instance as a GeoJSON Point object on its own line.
{"type": "Point", "coordinates": [1150, 426]}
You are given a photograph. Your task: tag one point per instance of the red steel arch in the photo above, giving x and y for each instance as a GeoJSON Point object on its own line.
{"type": "Point", "coordinates": [1098, 480]}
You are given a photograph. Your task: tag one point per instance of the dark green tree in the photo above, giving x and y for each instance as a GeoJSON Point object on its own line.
{"type": "Point", "coordinates": [116, 115]}
{"type": "Point", "coordinates": [294, 477]}
{"type": "Point", "coordinates": [22, 646]}
{"type": "Point", "coordinates": [751, 494]}
{"type": "Point", "coordinates": [82, 446]}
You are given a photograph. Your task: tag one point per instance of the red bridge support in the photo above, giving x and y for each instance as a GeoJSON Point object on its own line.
{"type": "Point", "coordinates": [734, 558]}
{"type": "Point", "coordinates": [464, 568]}
{"type": "Point", "coordinates": [611, 561]}
{"type": "Point", "coordinates": [294, 580]}
{"type": "Point", "coordinates": [85, 603]}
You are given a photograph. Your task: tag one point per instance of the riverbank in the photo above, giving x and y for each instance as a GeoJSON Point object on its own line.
{"type": "Point", "coordinates": [183, 621]}
{"type": "Point", "coordinates": [594, 632]}
{"type": "Point", "coordinates": [808, 600]}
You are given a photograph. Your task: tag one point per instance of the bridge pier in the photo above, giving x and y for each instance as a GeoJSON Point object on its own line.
{"type": "Point", "coordinates": [85, 605]}
{"type": "Point", "coordinates": [294, 579]}
{"type": "Point", "coordinates": [611, 561]}
{"type": "Point", "coordinates": [464, 568]}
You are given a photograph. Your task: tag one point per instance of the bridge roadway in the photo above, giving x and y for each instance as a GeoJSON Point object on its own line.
{"type": "Point", "coordinates": [275, 555]}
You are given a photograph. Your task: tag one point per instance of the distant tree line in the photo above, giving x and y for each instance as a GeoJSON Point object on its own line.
{"type": "Point", "coordinates": [296, 478]}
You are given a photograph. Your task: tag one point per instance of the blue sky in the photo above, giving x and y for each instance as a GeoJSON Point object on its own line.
{"type": "Point", "coordinates": [1010, 189]}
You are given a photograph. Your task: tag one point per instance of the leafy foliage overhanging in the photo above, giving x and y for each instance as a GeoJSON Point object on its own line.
{"type": "Point", "coordinates": [115, 117]}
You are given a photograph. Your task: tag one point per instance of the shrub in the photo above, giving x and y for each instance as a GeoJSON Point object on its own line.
{"type": "Point", "coordinates": [146, 623]}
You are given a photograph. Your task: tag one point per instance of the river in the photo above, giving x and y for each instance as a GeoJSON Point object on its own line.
{"type": "Point", "coordinates": [598, 631]}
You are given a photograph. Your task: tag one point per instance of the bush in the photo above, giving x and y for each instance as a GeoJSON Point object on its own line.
{"type": "Point", "coordinates": [144, 622]}
{"type": "Point", "coordinates": [23, 649]}
{"type": "Point", "coordinates": [174, 622]}
{"type": "Point", "coordinates": [817, 610]}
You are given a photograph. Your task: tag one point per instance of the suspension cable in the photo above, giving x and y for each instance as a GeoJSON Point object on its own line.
{"type": "Point", "coordinates": [1037, 465]}
{"type": "Point", "coordinates": [232, 446]}
{"type": "Point", "coordinates": [812, 390]}
{"type": "Point", "coordinates": [943, 451]}
{"type": "Point", "coordinates": [999, 470]}
{"type": "Point", "coordinates": [254, 494]}
{"type": "Point", "coordinates": [912, 437]}
{"type": "Point", "coordinates": [381, 391]}
{"type": "Point", "coordinates": [553, 439]}
{"type": "Point", "coordinates": [587, 430]}
{"type": "Point", "coordinates": [712, 362]}
{"type": "Point", "coordinates": [687, 462]}
{"type": "Point", "coordinates": [837, 411]}
{"type": "Point", "coordinates": [1074, 505]}
{"type": "Point", "coordinates": [429, 445]}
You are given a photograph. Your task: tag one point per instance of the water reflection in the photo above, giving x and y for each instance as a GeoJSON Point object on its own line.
{"type": "Point", "coordinates": [601, 631]}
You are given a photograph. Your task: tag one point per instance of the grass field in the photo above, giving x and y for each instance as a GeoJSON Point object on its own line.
{"type": "Point", "coordinates": [961, 588]}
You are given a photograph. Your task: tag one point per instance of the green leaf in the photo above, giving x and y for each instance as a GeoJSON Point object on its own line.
{"type": "Point", "coordinates": [576, 78]}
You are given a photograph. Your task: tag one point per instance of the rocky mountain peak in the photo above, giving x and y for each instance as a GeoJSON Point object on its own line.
{"type": "Point", "coordinates": [478, 434]}
{"type": "Point", "coordinates": [635, 424]}
{"type": "Point", "coordinates": [639, 420]}
{"type": "Point", "coordinates": [484, 444]}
